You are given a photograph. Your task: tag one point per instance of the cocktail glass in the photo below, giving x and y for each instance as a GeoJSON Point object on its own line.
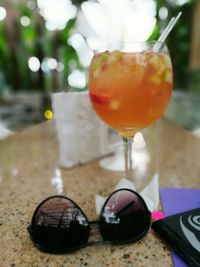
{"type": "Point", "coordinates": [130, 86]}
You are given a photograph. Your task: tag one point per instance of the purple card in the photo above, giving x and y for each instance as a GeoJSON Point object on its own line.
{"type": "Point", "coordinates": [176, 200]}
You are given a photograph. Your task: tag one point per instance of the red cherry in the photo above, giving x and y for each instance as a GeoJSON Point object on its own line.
{"type": "Point", "coordinates": [99, 99]}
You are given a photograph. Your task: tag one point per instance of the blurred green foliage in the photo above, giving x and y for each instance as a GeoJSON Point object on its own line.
{"type": "Point", "coordinates": [179, 43]}
{"type": "Point", "coordinates": [18, 44]}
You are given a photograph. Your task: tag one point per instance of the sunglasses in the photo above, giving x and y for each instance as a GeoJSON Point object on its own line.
{"type": "Point", "coordinates": [60, 226]}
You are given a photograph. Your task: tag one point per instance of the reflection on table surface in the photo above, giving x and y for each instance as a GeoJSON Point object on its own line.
{"type": "Point", "coordinates": [29, 172]}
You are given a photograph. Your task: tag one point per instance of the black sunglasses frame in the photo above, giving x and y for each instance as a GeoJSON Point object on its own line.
{"type": "Point", "coordinates": [90, 223]}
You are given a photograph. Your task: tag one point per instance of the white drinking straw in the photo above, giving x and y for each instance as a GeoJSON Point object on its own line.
{"type": "Point", "coordinates": [166, 32]}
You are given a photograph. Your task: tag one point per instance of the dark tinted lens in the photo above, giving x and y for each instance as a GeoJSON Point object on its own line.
{"type": "Point", "coordinates": [124, 217]}
{"type": "Point", "coordinates": [59, 225]}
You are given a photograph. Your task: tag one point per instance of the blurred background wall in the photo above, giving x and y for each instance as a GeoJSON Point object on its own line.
{"type": "Point", "coordinates": [45, 47]}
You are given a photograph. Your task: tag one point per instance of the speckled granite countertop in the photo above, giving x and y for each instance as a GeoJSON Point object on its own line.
{"type": "Point", "coordinates": [28, 163]}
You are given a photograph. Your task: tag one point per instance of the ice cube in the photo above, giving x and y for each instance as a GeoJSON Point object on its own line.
{"type": "Point", "coordinates": [96, 74]}
{"type": "Point", "coordinates": [155, 79]}
{"type": "Point", "coordinates": [167, 61]}
{"type": "Point", "coordinates": [155, 61]}
{"type": "Point", "coordinates": [114, 104]}
{"type": "Point", "coordinates": [168, 76]}
{"type": "Point", "coordinates": [114, 57]}
{"type": "Point", "coordinates": [161, 69]}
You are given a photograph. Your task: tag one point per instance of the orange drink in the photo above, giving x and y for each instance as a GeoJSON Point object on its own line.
{"type": "Point", "coordinates": [130, 90]}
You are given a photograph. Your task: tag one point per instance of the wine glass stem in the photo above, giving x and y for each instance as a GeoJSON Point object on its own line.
{"type": "Point", "coordinates": [128, 141]}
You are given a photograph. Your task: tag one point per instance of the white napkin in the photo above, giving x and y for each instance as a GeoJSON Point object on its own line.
{"type": "Point", "coordinates": [150, 193]}
{"type": "Point", "coordinates": [82, 136]}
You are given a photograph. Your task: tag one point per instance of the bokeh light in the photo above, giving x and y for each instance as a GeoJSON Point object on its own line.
{"type": "Point", "coordinates": [56, 13]}
{"type": "Point", "coordinates": [179, 2]}
{"type": "Point", "coordinates": [25, 21]}
{"type": "Point", "coordinates": [77, 79]}
{"type": "Point", "coordinates": [163, 12]}
{"type": "Point", "coordinates": [52, 63]}
{"type": "Point", "coordinates": [114, 21]}
{"type": "Point", "coordinates": [2, 13]}
{"type": "Point", "coordinates": [80, 45]}
{"type": "Point", "coordinates": [31, 4]}
{"type": "Point", "coordinates": [49, 64]}
{"type": "Point", "coordinates": [34, 64]}
{"type": "Point", "coordinates": [60, 66]}
{"type": "Point", "coordinates": [48, 114]}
